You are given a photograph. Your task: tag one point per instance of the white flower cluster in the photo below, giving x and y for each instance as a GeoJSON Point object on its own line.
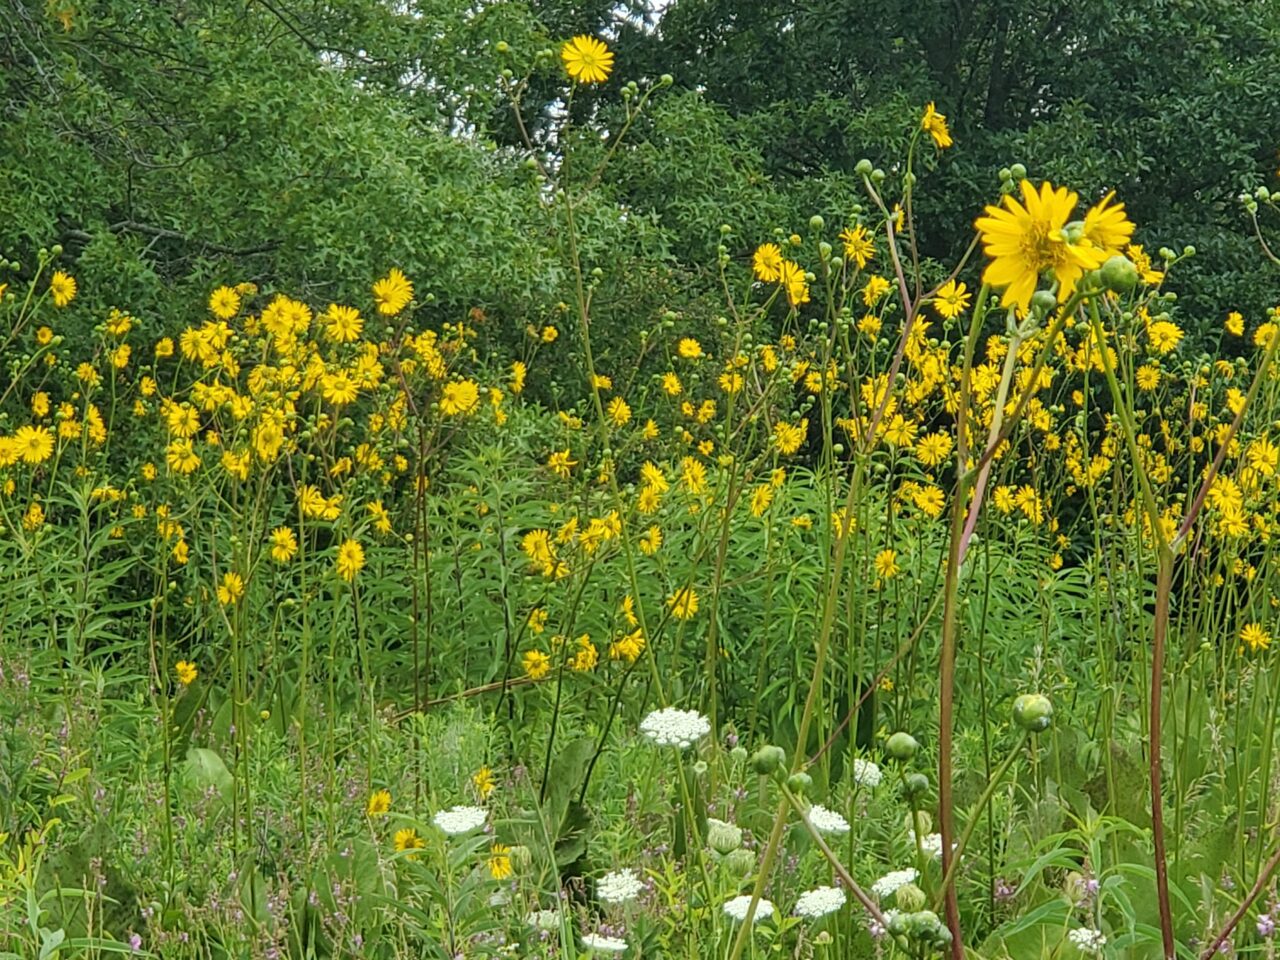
{"type": "Point", "coordinates": [737, 908]}
{"type": "Point", "coordinates": [599, 943]}
{"type": "Point", "coordinates": [459, 820]}
{"type": "Point", "coordinates": [931, 844]}
{"type": "Point", "coordinates": [888, 885]}
{"type": "Point", "coordinates": [1086, 940]}
{"type": "Point", "coordinates": [819, 902]}
{"type": "Point", "coordinates": [670, 727]}
{"type": "Point", "coordinates": [866, 774]}
{"type": "Point", "coordinates": [619, 886]}
{"type": "Point", "coordinates": [827, 821]}
{"type": "Point", "coordinates": [548, 920]}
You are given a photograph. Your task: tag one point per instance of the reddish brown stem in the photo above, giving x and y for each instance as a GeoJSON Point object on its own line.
{"type": "Point", "coordinates": [1164, 586]}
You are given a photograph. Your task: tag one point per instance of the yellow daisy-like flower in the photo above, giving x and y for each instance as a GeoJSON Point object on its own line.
{"type": "Point", "coordinates": [350, 560]}
{"type": "Point", "coordinates": [33, 444]}
{"type": "Point", "coordinates": [231, 589]}
{"type": "Point", "coordinates": [379, 803]}
{"type": "Point", "coordinates": [1025, 239]}
{"type": "Point", "coordinates": [586, 59]}
{"type": "Point", "coordinates": [766, 262]}
{"type": "Point", "coordinates": [283, 544]}
{"type": "Point", "coordinates": [683, 603]}
{"type": "Point", "coordinates": [1108, 226]}
{"type": "Point", "coordinates": [499, 862]}
{"type": "Point", "coordinates": [459, 398]}
{"type": "Point", "coordinates": [794, 283]}
{"type": "Point", "coordinates": [1255, 637]}
{"type": "Point", "coordinates": [935, 124]}
{"type": "Point", "coordinates": [886, 564]}
{"type": "Point", "coordinates": [408, 839]}
{"type": "Point", "coordinates": [392, 293]}
{"type": "Point", "coordinates": [536, 664]}
{"type": "Point", "coordinates": [224, 303]}
{"type": "Point", "coordinates": [343, 324]}
{"type": "Point", "coordinates": [186, 671]}
{"type": "Point", "coordinates": [482, 779]}
{"type": "Point", "coordinates": [63, 288]}
{"type": "Point", "coordinates": [951, 300]}
{"type": "Point", "coordinates": [689, 348]}
{"type": "Point", "coordinates": [858, 246]}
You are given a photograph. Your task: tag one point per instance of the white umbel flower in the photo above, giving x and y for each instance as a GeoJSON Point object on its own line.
{"type": "Point", "coordinates": [599, 943]}
{"type": "Point", "coordinates": [888, 885]}
{"type": "Point", "coordinates": [620, 886]}
{"type": "Point", "coordinates": [670, 727]}
{"type": "Point", "coordinates": [548, 920]}
{"type": "Point", "coordinates": [457, 821]}
{"type": "Point", "coordinates": [931, 845]}
{"type": "Point", "coordinates": [827, 821]}
{"type": "Point", "coordinates": [866, 774]}
{"type": "Point", "coordinates": [737, 908]}
{"type": "Point", "coordinates": [819, 902]}
{"type": "Point", "coordinates": [1086, 940]}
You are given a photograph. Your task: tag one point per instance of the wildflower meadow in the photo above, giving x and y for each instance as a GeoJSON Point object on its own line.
{"type": "Point", "coordinates": [888, 579]}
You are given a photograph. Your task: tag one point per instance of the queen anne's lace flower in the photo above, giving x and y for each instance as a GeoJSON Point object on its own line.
{"type": "Point", "coordinates": [866, 773]}
{"type": "Point", "coordinates": [544, 920]}
{"type": "Point", "coordinates": [670, 727]}
{"type": "Point", "coordinates": [737, 908]}
{"type": "Point", "coordinates": [1086, 940]}
{"type": "Point", "coordinates": [602, 944]}
{"type": "Point", "coordinates": [827, 821]}
{"type": "Point", "coordinates": [887, 885]}
{"type": "Point", "coordinates": [619, 886]}
{"type": "Point", "coordinates": [819, 902]}
{"type": "Point", "coordinates": [459, 820]}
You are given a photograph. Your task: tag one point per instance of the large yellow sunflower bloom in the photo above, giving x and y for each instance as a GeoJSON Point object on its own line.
{"type": "Point", "coordinates": [1026, 239]}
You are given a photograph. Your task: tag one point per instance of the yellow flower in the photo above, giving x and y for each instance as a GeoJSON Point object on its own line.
{"type": "Point", "coordinates": [1255, 637]}
{"type": "Point", "coordinates": [482, 779]}
{"type": "Point", "coordinates": [343, 324]}
{"type": "Point", "coordinates": [283, 544]}
{"type": "Point", "coordinates": [586, 657]}
{"type": "Point", "coordinates": [886, 564]}
{"type": "Point", "coordinates": [933, 448]}
{"type": "Point", "coordinates": [761, 497]}
{"type": "Point", "coordinates": [63, 288]}
{"type": "Point", "coordinates": [1164, 336]}
{"type": "Point", "coordinates": [794, 282]}
{"type": "Point", "coordinates": [224, 303]}
{"type": "Point", "coordinates": [689, 348]}
{"type": "Point", "coordinates": [1108, 227]}
{"type": "Point", "coordinates": [499, 862]}
{"type": "Point", "coordinates": [186, 671]}
{"type": "Point", "coordinates": [766, 262]}
{"type": "Point", "coordinates": [858, 245]}
{"type": "Point", "coordinates": [788, 438]}
{"type": "Point", "coordinates": [651, 542]}
{"type": "Point", "coordinates": [33, 518]}
{"type": "Point", "coordinates": [619, 412]}
{"type": "Point", "coordinates": [33, 444]}
{"type": "Point", "coordinates": [518, 373]}
{"type": "Point", "coordinates": [560, 463]}
{"type": "Point", "coordinates": [379, 803]}
{"type": "Point", "coordinates": [683, 603]}
{"type": "Point", "coordinates": [874, 290]}
{"type": "Point", "coordinates": [536, 664]}
{"type": "Point", "coordinates": [350, 560]}
{"type": "Point", "coordinates": [459, 397]}
{"type": "Point", "coordinates": [338, 388]}
{"type": "Point", "coordinates": [1234, 324]}
{"type": "Point", "coordinates": [586, 59]}
{"type": "Point", "coordinates": [1025, 239]}
{"type": "Point", "coordinates": [230, 589]}
{"type": "Point", "coordinates": [935, 124]}
{"type": "Point", "coordinates": [929, 500]}
{"type": "Point", "coordinates": [181, 457]}
{"type": "Point", "coordinates": [549, 334]}
{"type": "Point", "coordinates": [1148, 377]}
{"type": "Point", "coordinates": [951, 300]}
{"type": "Point", "coordinates": [671, 385]}
{"type": "Point", "coordinates": [408, 839]}
{"type": "Point", "coordinates": [392, 293]}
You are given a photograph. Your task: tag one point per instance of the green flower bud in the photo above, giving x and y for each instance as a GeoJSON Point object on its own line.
{"type": "Point", "coordinates": [863, 167]}
{"type": "Point", "coordinates": [1018, 171]}
{"type": "Point", "coordinates": [915, 786]}
{"type": "Point", "coordinates": [1033, 712]}
{"type": "Point", "coordinates": [918, 822]}
{"type": "Point", "coordinates": [56, 250]}
{"type": "Point", "coordinates": [1042, 301]}
{"type": "Point", "coordinates": [1005, 174]}
{"type": "Point", "coordinates": [902, 746]}
{"type": "Point", "coordinates": [740, 863]}
{"type": "Point", "coordinates": [899, 924]}
{"type": "Point", "coordinates": [877, 175]}
{"type": "Point", "coordinates": [799, 783]}
{"type": "Point", "coordinates": [923, 925]}
{"type": "Point", "coordinates": [723, 838]}
{"type": "Point", "coordinates": [816, 223]}
{"type": "Point", "coordinates": [768, 759]}
{"type": "Point", "coordinates": [910, 898]}
{"type": "Point", "coordinates": [503, 47]}
{"type": "Point", "coordinates": [1119, 274]}
{"type": "Point", "coordinates": [666, 80]}
{"type": "Point", "coordinates": [521, 858]}
{"type": "Point", "coordinates": [739, 754]}
{"type": "Point", "coordinates": [700, 768]}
